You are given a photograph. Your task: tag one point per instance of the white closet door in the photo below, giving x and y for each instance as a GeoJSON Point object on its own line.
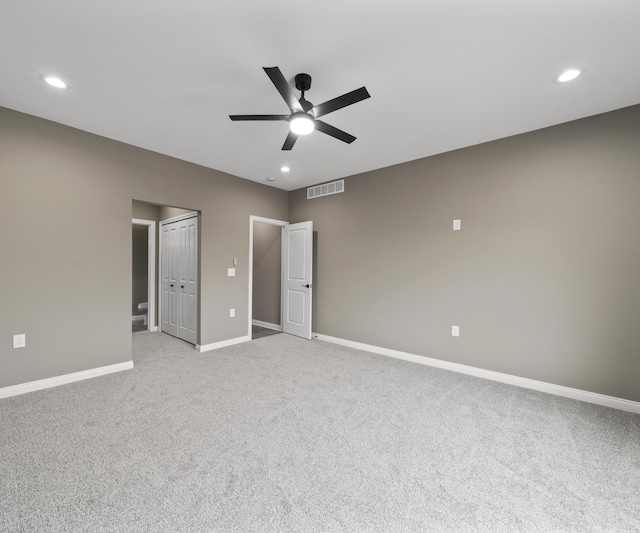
{"type": "Point", "coordinates": [188, 279]}
{"type": "Point", "coordinates": [179, 265]}
{"type": "Point", "coordinates": [169, 282]}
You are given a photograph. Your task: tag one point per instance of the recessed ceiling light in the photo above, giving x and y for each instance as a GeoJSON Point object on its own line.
{"type": "Point", "coordinates": [54, 82]}
{"type": "Point", "coordinates": [568, 75]}
{"type": "Point", "coordinates": [271, 179]}
{"type": "Point", "coordinates": [285, 169]}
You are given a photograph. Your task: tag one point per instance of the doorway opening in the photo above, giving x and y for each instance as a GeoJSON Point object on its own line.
{"type": "Point", "coordinates": [290, 300]}
{"type": "Point", "coordinates": [265, 272]}
{"type": "Point", "coordinates": [146, 217]}
{"type": "Point", "coordinates": [143, 275]}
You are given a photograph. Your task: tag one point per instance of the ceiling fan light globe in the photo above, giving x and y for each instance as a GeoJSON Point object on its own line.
{"type": "Point", "coordinates": [301, 124]}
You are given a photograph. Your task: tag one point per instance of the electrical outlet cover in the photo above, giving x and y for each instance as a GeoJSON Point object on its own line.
{"type": "Point", "coordinates": [20, 340]}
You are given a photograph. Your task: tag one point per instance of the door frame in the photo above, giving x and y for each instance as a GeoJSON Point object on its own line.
{"type": "Point", "coordinates": [273, 222]}
{"type": "Point", "coordinates": [185, 216]}
{"type": "Point", "coordinates": [151, 276]}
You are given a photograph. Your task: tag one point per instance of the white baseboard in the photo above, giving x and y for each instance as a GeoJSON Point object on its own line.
{"type": "Point", "coordinates": [550, 388]}
{"type": "Point", "coordinates": [222, 344]}
{"type": "Point", "coordinates": [47, 383]}
{"type": "Point", "coordinates": [267, 325]}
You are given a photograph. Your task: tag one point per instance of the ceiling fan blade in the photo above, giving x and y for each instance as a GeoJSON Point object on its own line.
{"type": "Point", "coordinates": [285, 90]}
{"type": "Point", "coordinates": [341, 101]}
{"type": "Point", "coordinates": [259, 117]}
{"type": "Point", "coordinates": [334, 132]}
{"type": "Point", "coordinates": [290, 141]}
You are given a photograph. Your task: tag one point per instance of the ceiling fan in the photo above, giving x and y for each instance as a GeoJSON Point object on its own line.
{"type": "Point", "coordinates": [304, 115]}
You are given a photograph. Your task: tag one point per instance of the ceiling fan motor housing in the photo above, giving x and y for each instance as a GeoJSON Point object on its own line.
{"type": "Point", "coordinates": [303, 82]}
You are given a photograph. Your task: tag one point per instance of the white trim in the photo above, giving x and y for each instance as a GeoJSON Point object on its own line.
{"type": "Point", "coordinates": [151, 276]}
{"type": "Point", "coordinates": [179, 217]}
{"type": "Point", "coordinates": [267, 325]}
{"type": "Point", "coordinates": [160, 237]}
{"type": "Point", "coordinates": [47, 383]}
{"type": "Point", "coordinates": [549, 388]}
{"type": "Point", "coordinates": [137, 318]}
{"type": "Point", "coordinates": [274, 222]}
{"type": "Point", "coordinates": [222, 344]}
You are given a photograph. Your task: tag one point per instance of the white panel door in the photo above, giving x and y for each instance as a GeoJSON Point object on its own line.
{"type": "Point", "coordinates": [169, 282]}
{"type": "Point", "coordinates": [179, 279]}
{"type": "Point", "coordinates": [188, 280]}
{"type": "Point", "coordinates": [297, 261]}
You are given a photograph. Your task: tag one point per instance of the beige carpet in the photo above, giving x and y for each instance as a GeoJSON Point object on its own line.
{"type": "Point", "coordinates": [282, 434]}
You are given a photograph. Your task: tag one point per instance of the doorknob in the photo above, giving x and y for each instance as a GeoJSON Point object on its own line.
{"type": "Point", "coordinates": [182, 286]}
{"type": "Point", "coordinates": [307, 286]}
{"type": "Point", "coordinates": [171, 285]}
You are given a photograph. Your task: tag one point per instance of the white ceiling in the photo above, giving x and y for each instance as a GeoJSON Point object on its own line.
{"type": "Point", "coordinates": [165, 75]}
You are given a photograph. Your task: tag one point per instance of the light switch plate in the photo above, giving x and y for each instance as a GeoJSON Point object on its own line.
{"type": "Point", "coordinates": [455, 331]}
{"type": "Point", "coordinates": [457, 224]}
{"type": "Point", "coordinates": [232, 313]}
{"type": "Point", "coordinates": [231, 272]}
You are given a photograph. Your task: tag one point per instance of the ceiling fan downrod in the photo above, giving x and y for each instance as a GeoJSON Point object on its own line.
{"type": "Point", "coordinates": [303, 84]}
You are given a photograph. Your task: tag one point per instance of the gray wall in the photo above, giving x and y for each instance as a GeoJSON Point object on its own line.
{"type": "Point", "coordinates": [66, 208]}
{"type": "Point", "coordinates": [267, 272]}
{"type": "Point", "coordinates": [543, 279]}
{"type": "Point", "coordinates": [145, 211]}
